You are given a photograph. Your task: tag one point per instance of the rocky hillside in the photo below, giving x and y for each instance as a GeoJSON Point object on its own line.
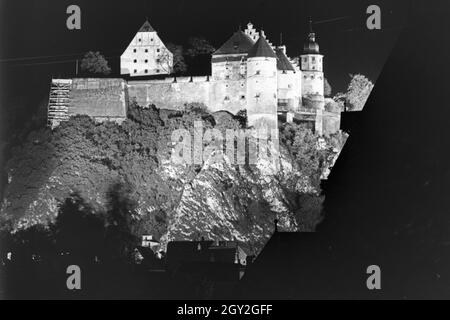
{"type": "Point", "coordinates": [216, 200]}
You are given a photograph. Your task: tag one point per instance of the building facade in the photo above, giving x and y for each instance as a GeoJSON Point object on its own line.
{"type": "Point", "coordinates": [146, 54]}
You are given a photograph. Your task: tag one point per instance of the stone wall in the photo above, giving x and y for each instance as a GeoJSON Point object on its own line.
{"type": "Point", "coordinates": [101, 99]}
{"type": "Point", "coordinates": [331, 123]}
{"type": "Point", "coordinates": [170, 93]}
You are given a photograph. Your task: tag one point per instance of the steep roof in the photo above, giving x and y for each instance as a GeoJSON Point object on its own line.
{"type": "Point", "coordinates": [283, 62]}
{"type": "Point", "coordinates": [146, 27]}
{"type": "Point", "coordinates": [238, 43]}
{"type": "Point", "coordinates": [261, 49]}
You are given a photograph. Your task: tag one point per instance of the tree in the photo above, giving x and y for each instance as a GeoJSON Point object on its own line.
{"type": "Point", "coordinates": [78, 229]}
{"type": "Point", "coordinates": [358, 92]}
{"type": "Point", "coordinates": [95, 63]}
{"type": "Point", "coordinates": [327, 88]}
{"type": "Point", "coordinates": [179, 64]}
{"type": "Point", "coordinates": [199, 46]}
{"type": "Point", "coordinates": [123, 222]}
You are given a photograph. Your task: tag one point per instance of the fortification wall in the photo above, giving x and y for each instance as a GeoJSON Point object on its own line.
{"type": "Point", "coordinates": [228, 95]}
{"type": "Point", "coordinates": [289, 91]}
{"type": "Point", "coordinates": [170, 93]}
{"type": "Point", "coordinates": [101, 99]}
{"type": "Point", "coordinates": [331, 123]}
{"type": "Point", "coordinates": [313, 83]}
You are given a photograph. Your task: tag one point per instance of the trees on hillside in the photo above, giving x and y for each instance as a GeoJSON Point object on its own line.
{"type": "Point", "coordinates": [358, 92]}
{"type": "Point", "coordinates": [95, 63]}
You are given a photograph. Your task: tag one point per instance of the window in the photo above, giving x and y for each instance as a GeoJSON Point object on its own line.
{"type": "Point", "coordinates": [157, 70]}
{"type": "Point", "coordinates": [146, 71]}
{"type": "Point", "coordinates": [146, 61]}
{"type": "Point", "coordinates": [158, 50]}
{"type": "Point", "coordinates": [151, 39]}
{"type": "Point", "coordinates": [140, 40]}
{"type": "Point", "coordinates": [314, 59]}
{"type": "Point", "coordinates": [135, 71]}
{"type": "Point", "coordinates": [242, 97]}
{"type": "Point", "coordinates": [258, 72]}
{"type": "Point", "coordinates": [158, 60]}
{"type": "Point", "coordinates": [227, 98]}
{"type": "Point", "coordinates": [258, 95]}
{"type": "Point", "coordinates": [146, 50]}
{"type": "Point", "coordinates": [305, 60]}
{"type": "Point", "coordinates": [134, 50]}
{"type": "Point", "coordinates": [227, 77]}
{"type": "Point", "coordinates": [135, 61]}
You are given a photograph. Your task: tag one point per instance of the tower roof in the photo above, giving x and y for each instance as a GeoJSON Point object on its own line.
{"type": "Point", "coordinates": [283, 62]}
{"type": "Point", "coordinates": [261, 49]}
{"type": "Point", "coordinates": [238, 43]}
{"type": "Point", "coordinates": [311, 46]}
{"type": "Point", "coordinates": [146, 27]}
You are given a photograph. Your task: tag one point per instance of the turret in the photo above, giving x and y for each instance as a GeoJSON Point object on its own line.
{"type": "Point", "coordinates": [312, 67]}
{"type": "Point", "coordinates": [262, 85]}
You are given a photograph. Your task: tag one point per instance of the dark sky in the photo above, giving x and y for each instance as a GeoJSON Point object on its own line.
{"type": "Point", "coordinates": [38, 28]}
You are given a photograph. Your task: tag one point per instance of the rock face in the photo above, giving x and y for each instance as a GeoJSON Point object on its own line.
{"type": "Point", "coordinates": [224, 202]}
{"type": "Point", "coordinates": [217, 200]}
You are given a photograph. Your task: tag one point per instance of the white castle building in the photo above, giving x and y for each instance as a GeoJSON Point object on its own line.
{"type": "Point", "coordinates": [248, 73]}
{"type": "Point", "coordinates": [146, 54]}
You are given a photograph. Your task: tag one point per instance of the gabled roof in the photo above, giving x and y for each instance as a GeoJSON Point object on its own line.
{"type": "Point", "coordinates": [283, 62]}
{"type": "Point", "coordinates": [261, 49]}
{"type": "Point", "coordinates": [239, 43]}
{"type": "Point", "coordinates": [146, 27]}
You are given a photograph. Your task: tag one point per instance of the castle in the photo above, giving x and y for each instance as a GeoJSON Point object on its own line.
{"type": "Point", "coordinates": [247, 73]}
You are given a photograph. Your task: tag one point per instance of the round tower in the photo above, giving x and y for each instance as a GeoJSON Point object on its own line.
{"type": "Point", "coordinates": [262, 85]}
{"type": "Point", "coordinates": [312, 68]}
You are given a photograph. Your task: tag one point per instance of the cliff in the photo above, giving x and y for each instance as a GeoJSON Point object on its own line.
{"type": "Point", "coordinates": [216, 200]}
